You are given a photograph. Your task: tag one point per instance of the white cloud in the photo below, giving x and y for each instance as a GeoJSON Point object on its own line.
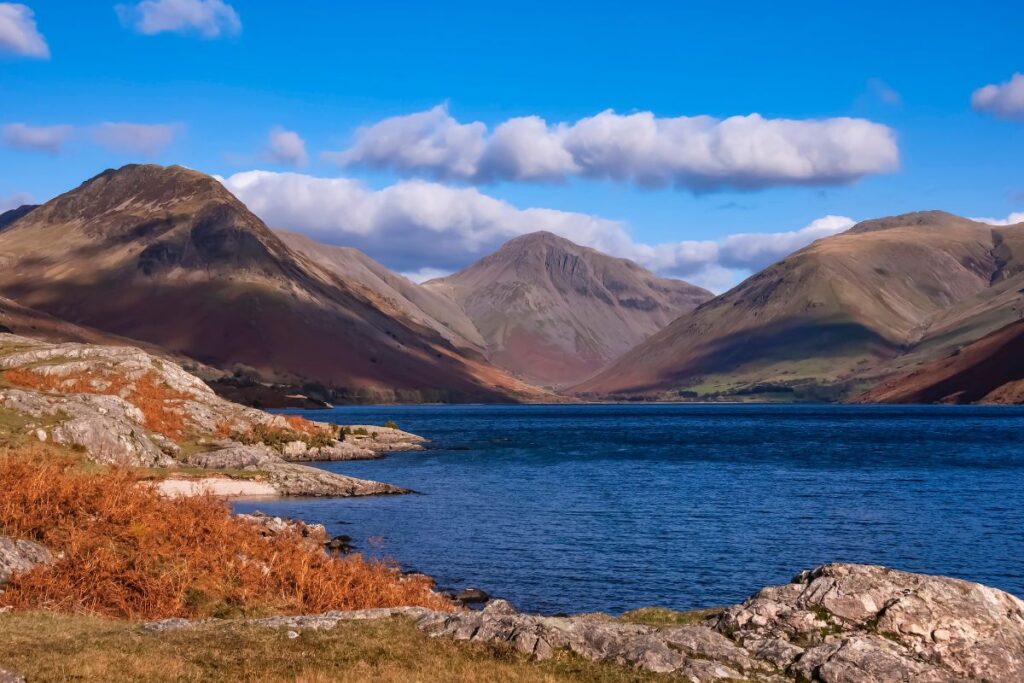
{"type": "Point", "coordinates": [697, 153]}
{"type": "Point", "coordinates": [1005, 100]}
{"type": "Point", "coordinates": [18, 32]}
{"type": "Point", "coordinates": [425, 229]}
{"type": "Point", "coordinates": [286, 147]}
{"type": "Point", "coordinates": [50, 139]}
{"type": "Point", "coordinates": [430, 141]}
{"type": "Point", "coordinates": [1012, 219]}
{"type": "Point", "coordinates": [423, 274]}
{"type": "Point", "coordinates": [135, 138]}
{"type": "Point", "coordinates": [207, 18]}
{"type": "Point", "coordinates": [14, 201]}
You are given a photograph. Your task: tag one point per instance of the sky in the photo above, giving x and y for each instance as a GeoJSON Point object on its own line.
{"type": "Point", "coordinates": [701, 139]}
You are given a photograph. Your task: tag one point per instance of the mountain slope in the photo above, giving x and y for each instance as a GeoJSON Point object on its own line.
{"type": "Point", "coordinates": [989, 370]}
{"type": "Point", "coordinates": [845, 308]}
{"type": "Point", "coordinates": [554, 312]}
{"type": "Point", "coordinates": [416, 302]}
{"type": "Point", "coordinates": [8, 217]}
{"type": "Point", "coordinates": [169, 256]}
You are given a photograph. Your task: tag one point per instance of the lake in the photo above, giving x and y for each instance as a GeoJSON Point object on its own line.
{"type": "Point", "coordinates": [577, 508]}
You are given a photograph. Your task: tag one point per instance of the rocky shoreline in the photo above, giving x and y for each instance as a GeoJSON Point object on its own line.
{"type": "Point", "coordinates": [120, 405]}
{"type": "Point", "coordinates": [838, 623]}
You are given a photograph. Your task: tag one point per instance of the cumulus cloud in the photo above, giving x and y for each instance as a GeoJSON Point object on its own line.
{"type": "Point", "coordinates": [1012, 219]}
{"type": "Point", "coordinates": [18, 32]}
{"type": "Point", "coordinates": [286, 147]}
{"type": "Point", "coordinates": [207, 18]}
{"type": "Point", "coordinates": [1003, 100]}
{"type": "Point", "coordinates": [135, 138]}
{"type": "Point", "coordinates": [14, 201]}
{"type": "Point", "coordinates": [430, 141]}
{"type": "Point", "coordinates": [698, 153]}
{"type": "Point", "coordinates": [426, 229]}
{"type": "Point", "coordinates": [49, 139]}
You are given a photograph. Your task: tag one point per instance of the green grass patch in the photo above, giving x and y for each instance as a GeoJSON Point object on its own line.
{"type": "Point", "coordinates": [660, 616]}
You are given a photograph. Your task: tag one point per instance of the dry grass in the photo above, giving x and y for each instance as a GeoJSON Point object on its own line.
{"type": "Point", "coordinates": [153, 397]}
{"type": "Point", "coordinates": [129, 552]}
{"type": "Point", "coordinates": [48, 648]}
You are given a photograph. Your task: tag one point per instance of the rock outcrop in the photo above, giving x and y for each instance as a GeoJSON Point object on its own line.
{"type": "Point", "coordinates": [839, 623]}
{"type": "Point", "coordinates": [120, 405]}
{"type": "Point", "coordinates": [18, 556]}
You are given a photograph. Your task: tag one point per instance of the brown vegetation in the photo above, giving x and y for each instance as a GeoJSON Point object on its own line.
{"type": "Point", "coordinates": [128, 552]}
{"type": "Point", "coordinates": [147, 393]}
{"type": "Point", "coordinates": [47, 647]}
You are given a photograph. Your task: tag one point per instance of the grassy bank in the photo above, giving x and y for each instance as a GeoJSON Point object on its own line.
{"type": "Point", "coordinates": [47, 647]}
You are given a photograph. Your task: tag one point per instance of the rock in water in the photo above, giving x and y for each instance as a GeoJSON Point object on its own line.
{"type": "Point", "coordinates": [472, 596]}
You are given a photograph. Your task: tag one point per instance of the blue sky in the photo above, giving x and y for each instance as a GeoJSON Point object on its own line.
{"type": "Point", "coordinates": [323, 68]}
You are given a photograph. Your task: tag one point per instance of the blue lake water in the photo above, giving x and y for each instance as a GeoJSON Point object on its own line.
{"type": "Point", "coordinates": [611, 507]}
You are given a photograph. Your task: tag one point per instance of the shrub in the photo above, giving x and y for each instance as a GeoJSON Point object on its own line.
{"type": "Point", "coordinates": [130, 552]}
{"type": "Point", "coordinates": [391, 424]}
{"type": "Point", "coordinates": [299, 429]}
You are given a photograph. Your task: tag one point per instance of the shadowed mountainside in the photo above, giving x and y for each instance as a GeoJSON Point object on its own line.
{"type": "Point", "coordinates": [553, 312]}
{"type": "Point", "coordinates": [990, 370]}
{"type": "Point", "coordinates": [170, 257]}
{"type": "Point", "coordinates": [836, 315]}
{"type": "Point", "coordinates": [8, 217]}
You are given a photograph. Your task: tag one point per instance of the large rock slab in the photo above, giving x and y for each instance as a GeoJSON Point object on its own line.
{"type": "Point", "coordinates": [843, 617]}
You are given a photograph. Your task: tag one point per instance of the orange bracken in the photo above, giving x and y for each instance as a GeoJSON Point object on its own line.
{"type": "Point", "coordinates": [127, 551]}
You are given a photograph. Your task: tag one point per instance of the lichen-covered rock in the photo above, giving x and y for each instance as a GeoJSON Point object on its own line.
{"type": "Point", "coordinates": [384, 439]}
{"type": "Point", "coordinates": [297, 480]}
{"type": "Point", "coordinates": [123, 406]}
{"type": "Point", "coordinates": [18, 556]}
{"type": "Point", "coordinates": [842, 618]}
{"type": "Point", "coordinates": [298, 451]}
{"type": "Point", "coordinates": [235, 456]}
{"type": "Point", "coordinates": [694, 651]}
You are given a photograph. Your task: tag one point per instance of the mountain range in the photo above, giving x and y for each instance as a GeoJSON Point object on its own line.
{"type": "Point", "coordinates": [922, 307]}
{"type": "Point", "coordinates": [835, 317]}
{"type": "Point", "coordinates": [169, 257]}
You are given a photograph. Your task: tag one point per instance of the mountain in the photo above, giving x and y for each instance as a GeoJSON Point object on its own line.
{"type": "Point", "coordinates": [170, 257]}
{"type": "Point", "coordinates": [989, 370]}
{"type": "Point", "coordinates": [8, 217]}
{"type": "Point", "coordinates": [836, 315]}
{"type": "Point", "coordinates": [553, 312]}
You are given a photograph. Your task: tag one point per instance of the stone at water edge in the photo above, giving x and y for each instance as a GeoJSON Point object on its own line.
{"type": "Point", "coordinates": [472, 596]}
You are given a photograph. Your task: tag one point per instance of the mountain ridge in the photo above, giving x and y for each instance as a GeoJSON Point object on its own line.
{"type": "Point", "coordinates": [845, 309]}
{"type": "Point", "coordinates": [170, 257]}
